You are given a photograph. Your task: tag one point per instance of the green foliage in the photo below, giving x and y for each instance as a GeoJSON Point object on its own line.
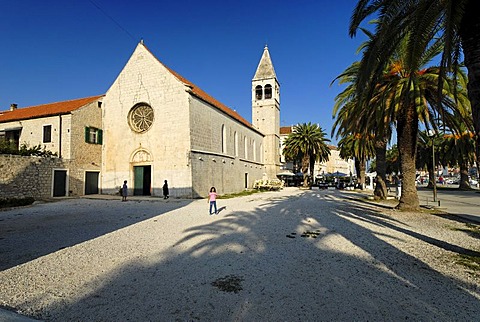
{"type": "Point", "coordinates": [16, 202]}
{"type": "Point", "coordinates": [8, 147]}
{"type": "Point", "coordinates": [308, 143]}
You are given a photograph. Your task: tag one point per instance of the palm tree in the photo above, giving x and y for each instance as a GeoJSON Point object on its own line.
{"type": "Point", "coordinates": [407, 89]}
{"type": "Point", "coordinates": [369, 118]}
{"type": "Point", "coordinates": [358, 137]}
{"type": "Point", "coordinates": [307, 141]}
{"type": "Point", "coordinates": [361, 149]}
{"type": "Point", "coordinates": [459, 149]}
{"type": "Point", "coordinates": [426, 144]}
{"type": "Point", "coordinates": [454, 22]}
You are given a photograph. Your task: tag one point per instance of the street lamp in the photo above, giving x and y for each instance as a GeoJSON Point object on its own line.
{"type": "Point", "coordinates": [431, 134]}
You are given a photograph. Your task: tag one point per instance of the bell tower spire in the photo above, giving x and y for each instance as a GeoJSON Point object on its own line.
{"type": "Point", "coordinates": [266, 112]}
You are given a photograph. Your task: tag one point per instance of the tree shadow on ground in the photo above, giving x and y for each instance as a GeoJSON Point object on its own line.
{"type": "Point", "coordinates": [31, 232]}
{"type": "Point", "coordinates": [348, 272]}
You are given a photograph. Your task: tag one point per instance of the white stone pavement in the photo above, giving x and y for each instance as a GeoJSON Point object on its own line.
{"type": "Point", "coordinates": [322, 209]}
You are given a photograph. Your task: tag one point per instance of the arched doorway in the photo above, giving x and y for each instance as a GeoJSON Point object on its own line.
{"type": "Point", "coordinates": [142, 173]}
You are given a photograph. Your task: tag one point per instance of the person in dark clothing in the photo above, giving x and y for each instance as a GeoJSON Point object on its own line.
{"type": "Point", "coordinates": [124, 191]}
{"type": "Point", "coordinates": [165, 190]}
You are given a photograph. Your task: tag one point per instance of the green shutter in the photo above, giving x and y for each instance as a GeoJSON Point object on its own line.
{"type": "Point", "coordinates": [87, 134]}
{"type": "Point", "coordinates": [100, 137]}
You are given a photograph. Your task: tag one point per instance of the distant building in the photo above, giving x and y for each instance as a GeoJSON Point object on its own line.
{"type": "Point", "coordinates": [334, 164]}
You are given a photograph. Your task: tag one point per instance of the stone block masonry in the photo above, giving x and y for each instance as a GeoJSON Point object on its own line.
{"type": "Point", "coordinates": [27, 176]}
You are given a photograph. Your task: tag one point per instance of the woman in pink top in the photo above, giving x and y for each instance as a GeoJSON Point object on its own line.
{"type": "Point", "coordinates": [212, 199]}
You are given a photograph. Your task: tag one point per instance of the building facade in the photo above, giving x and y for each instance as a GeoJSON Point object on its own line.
{"type": "Point", "coordinates": [159, 126]}
{"type": "Point", "coordinates": [154, 125]}
{"type": "Point", "coordinates": [71, 130]}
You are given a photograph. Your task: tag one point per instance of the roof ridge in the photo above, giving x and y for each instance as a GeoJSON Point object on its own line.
{"type": "Point", "coordinates": [48, 109]}
{"type": "Point", "coordinates": [65, 101]}
{"type": "Point", "coordinates": [198, 92]}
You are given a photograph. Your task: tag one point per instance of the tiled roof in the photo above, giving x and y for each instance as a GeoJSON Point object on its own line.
{"type": "Point", "coordinates": [51, 109]}
{"type": "Point", "coordinates": [198, 92]}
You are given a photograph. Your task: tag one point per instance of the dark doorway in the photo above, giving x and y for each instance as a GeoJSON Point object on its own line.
{"type": "Point", "coordinates": [91, 183]}
{"type": "Point", "coordinates": [246, 180]}
{"type": "Point", "coordinates": [13, 137]}
{"type": "Point", "coordinates": [59, 183]}
{"type": "Point", "coordinates": [142, 180]}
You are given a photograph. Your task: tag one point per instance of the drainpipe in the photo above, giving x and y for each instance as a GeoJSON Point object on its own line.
{"type": "Point", "coordinates": [60, 137]}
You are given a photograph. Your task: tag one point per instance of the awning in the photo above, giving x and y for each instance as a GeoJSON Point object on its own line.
{"type": "Point", "coordinates": [11, 129]}
{"type": "Point", "coordinates": [285, 174]}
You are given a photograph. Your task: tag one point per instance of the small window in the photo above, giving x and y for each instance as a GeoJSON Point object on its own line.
{"type": "Point", "coordinates": [47, 133]}
{"type": "Point", "coordinates": [268, 91]}
{"type": "Point", "coordinates": [258, 92]}
{"type": "Point", "coordinates": [93, 135]}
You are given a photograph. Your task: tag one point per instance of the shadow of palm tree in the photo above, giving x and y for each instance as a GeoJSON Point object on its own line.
{"type": "Point", "coordinates": [347, 272]}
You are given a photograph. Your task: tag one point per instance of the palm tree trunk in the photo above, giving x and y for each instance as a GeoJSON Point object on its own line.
{"type": "Point", "coordinates": [312, 167]}
{"type": "Point", "coordinates": [381, 168]}
{"type": "Point", "coordinates": [305, 164]}
{"type": "Point", "coordinates": [357, 170]}
{"type": "Point", "coordinates": [464, 183]}
{"type": "Point", "coordinates": [407, 128]}
{"type": "Point", "coordinates": [469, 33]}
{"type": "Point", "coordinates": [431, 169]}
{"type": "Point", "coordinates": [361, 172]}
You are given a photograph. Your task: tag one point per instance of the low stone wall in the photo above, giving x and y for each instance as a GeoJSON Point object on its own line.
{"type": "Point", "coordinates": [27, 176]}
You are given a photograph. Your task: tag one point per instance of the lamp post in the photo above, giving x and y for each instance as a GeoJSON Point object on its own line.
{"type": "Point", "coordinates": [432, 135]}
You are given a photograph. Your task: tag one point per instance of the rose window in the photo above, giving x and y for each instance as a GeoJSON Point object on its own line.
{"type": "Point", "coordinates": [140, 118]}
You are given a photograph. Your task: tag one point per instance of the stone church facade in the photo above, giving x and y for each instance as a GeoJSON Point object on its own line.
{"type": "Point", "coordinates": [155, 125]}
{"type": "Point", "coordinates": [159, 126]}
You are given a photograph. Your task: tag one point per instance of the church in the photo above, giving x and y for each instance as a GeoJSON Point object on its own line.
{"type": "Point", "coordinates": [153, 125]}
{"type": "Point", "coordinates": [159, 126]}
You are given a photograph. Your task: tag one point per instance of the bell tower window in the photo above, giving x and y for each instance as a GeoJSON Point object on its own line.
{"type": "Point", "coordinates": [268, 91]}
{"type": "Point", "coordinates": [258, 92]}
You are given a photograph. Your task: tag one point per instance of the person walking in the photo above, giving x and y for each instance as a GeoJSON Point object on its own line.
{"type": "Point", "coordinates": [165, 190]}
{"type": "Point", "coordinates": [124, 191]}
{"type": "Point", "coordinates": [212, 199]}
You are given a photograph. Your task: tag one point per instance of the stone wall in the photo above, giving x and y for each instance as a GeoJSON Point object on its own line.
{"type": "Point", "coordinates": [225, 153]}
{"type": "Point", "coordinates": [164, 146]}
{"type": "Point", "coordinates": [227, 174]}
{"type": "Point", "coordinates": [22, 177]}
{"type": "Point", "coordinates": [84, 156]}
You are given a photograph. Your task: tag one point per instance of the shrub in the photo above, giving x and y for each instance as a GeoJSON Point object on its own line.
{"type": "Point", "coordinates": [16, 202]}
{"type": "Point", "coordinates": [7, 147]}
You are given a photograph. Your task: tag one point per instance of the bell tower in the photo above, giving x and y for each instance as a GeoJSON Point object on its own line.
{"type": "Point", "coordinates": [266, 112]}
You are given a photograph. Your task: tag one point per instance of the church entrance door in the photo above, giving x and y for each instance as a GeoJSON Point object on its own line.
{"type": "Point", "coordinates": [142, 180]}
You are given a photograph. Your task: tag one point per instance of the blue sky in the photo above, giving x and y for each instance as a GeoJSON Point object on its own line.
{"type": "Point", "coordinates": [58, 50]}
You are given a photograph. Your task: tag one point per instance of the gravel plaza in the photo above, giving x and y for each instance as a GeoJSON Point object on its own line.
{"type": "Point", "coordinates": [296, 255]}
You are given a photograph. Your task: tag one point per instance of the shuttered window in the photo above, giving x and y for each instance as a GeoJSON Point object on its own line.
{"type": "Point", "coordinates": [93, 135]}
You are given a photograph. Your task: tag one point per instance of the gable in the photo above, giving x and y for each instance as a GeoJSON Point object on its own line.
{"type": "Point", "coordinates": [202, 95]}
